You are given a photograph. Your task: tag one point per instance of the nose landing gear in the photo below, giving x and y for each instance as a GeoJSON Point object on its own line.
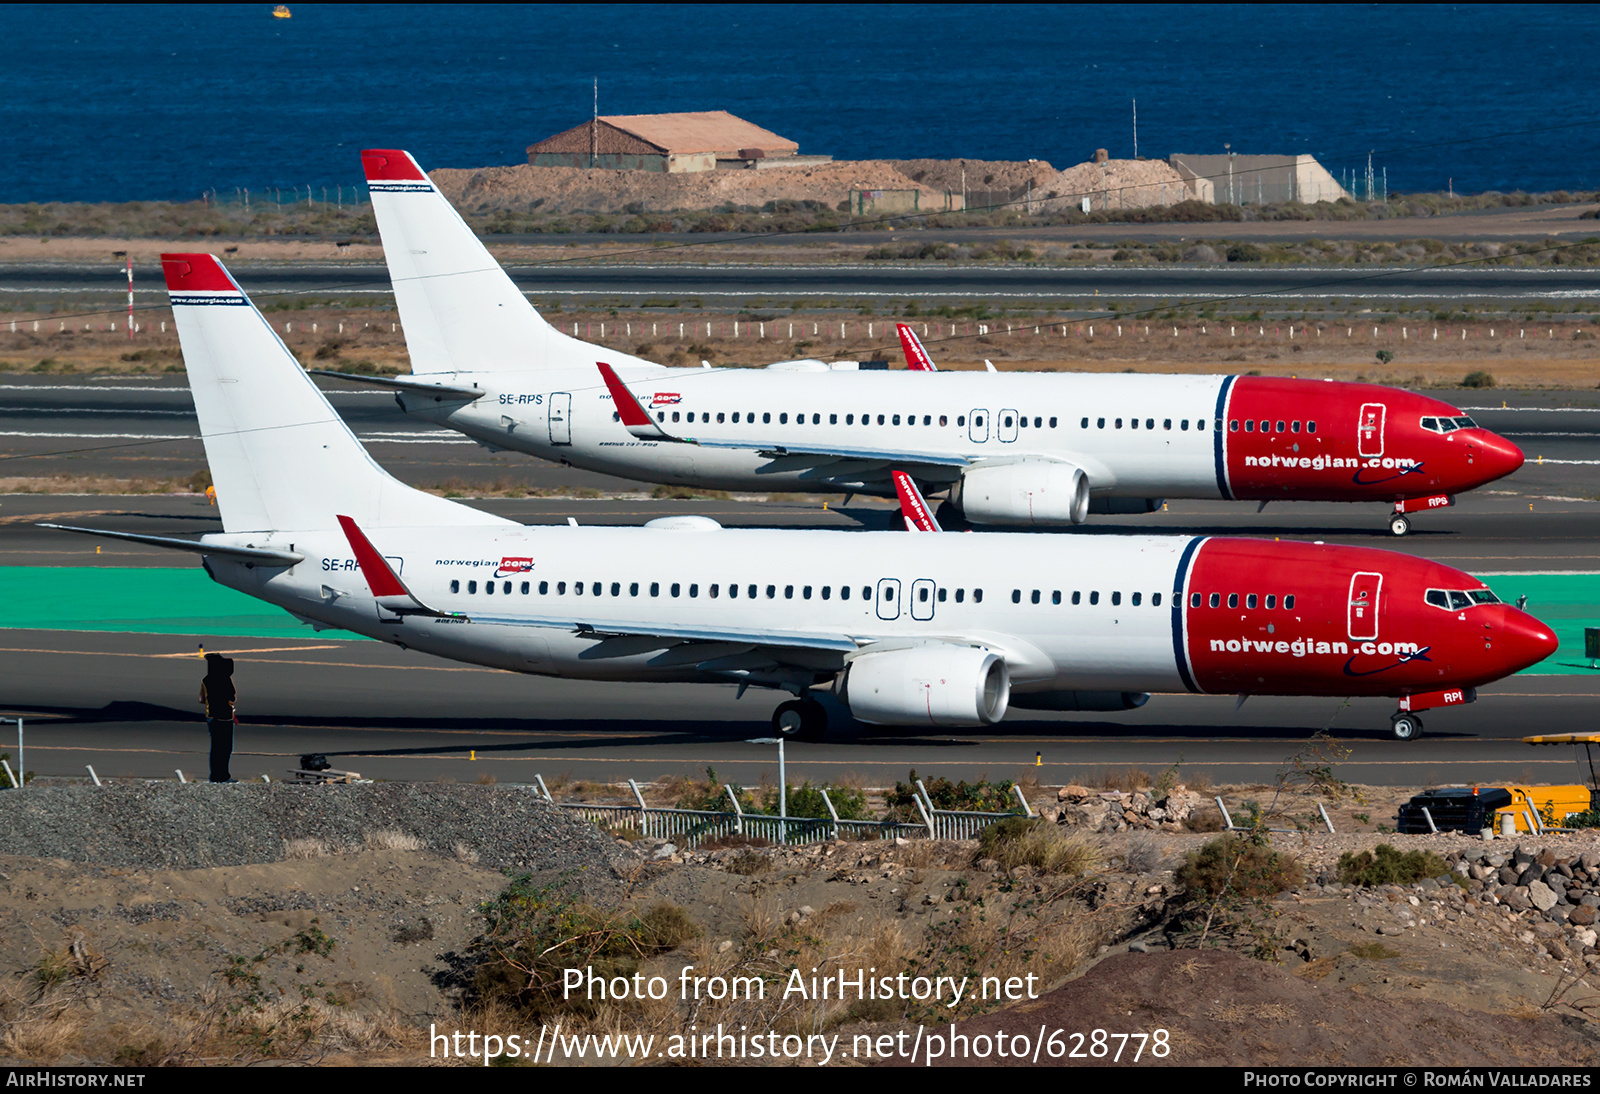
{"type": "Point", "coordinates": [1399, 524]}
{"type": "Point", "coordinates": [800, 720]}
{"type": "Point", "coordinates": [1405, 726]}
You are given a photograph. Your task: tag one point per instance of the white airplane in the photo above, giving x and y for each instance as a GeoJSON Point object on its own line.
{"type": "Point", "coordinates": [1013, 449]}
{"type": "Point", "coordinates": [922, 630]}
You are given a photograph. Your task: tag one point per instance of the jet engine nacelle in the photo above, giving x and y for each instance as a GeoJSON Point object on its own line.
{"type": "Point", "coordinates": [928, 686]}
{"type": "Point", "coordinates": [1026, 492]}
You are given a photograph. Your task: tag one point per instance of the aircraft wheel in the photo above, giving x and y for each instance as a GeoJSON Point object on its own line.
{"type": "Point", "coordinates": [1405, 727]}
{"type": "Point", "coordinates": [800, 720]}
{"type": "Point", "coordinates": [1399, 524]}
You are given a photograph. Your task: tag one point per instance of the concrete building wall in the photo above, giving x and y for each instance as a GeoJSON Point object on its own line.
{"type": "Point", "coordinates": [1261, 180]}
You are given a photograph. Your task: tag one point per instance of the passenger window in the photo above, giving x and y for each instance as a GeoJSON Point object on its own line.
{"type": "Point", "coordinates": [1135, 600]}
{"type": "Point", "coordinates": [1194, 600]}
{"type": "Point", "coordinates": [961, 419]}
{"type": "Point", "coordinates": [1280, 427]}
{"type": "Point", "coordinates": [750, 592]}
{"type": "Point", "coordinates": [1272, 602]}
{"type": "Point", "coordinates": [1119, 423]}
{"type": "Point", "coordinates": [772, 592]}
{"type": "Point", "coordinates": [827, 591]}
{"type": "Point", "coordinates": [733, 592]}
{"type": "Point", "coordinates": [766, 417]}
{"type": "Point", "coordinates": [922, 593]}
{"type": "Point", "coordinates": [616, 588]}
{"type": "Point", "coordinates": [1294, 427]}
{"type": "Point", "coordinates": [1099, 423]}
{"type": "Point", "coordinates": [544, 588]}
{"type": "Point", "coordinates": [788, 592]}
{"type": "Point", "coordinates": [1166, 423]}
{"type": "Point", "coordinates": [783, 419]}
{"type": "Point", "coordinates": [844, 592]}
{"type": "Point", "coordinates": [1200, 424]}
{"type": "Point", "coordinates": [561, 588]}
{"type": "Point", "coordinates": [1184, 425]}
{"type": "Point", "coordinates": [1055, 597]}
{"type": "Point", "coordinates": [674, 415]}
{"type": "Point", "coordinates": [1155, 600]}
{"type": "Point", "coordinates": [1216, 600]}
{"type": "Point", "coordinates": [1150, 423]}
{"type": "Point", "coordinates": [675, 589]}
{"type": "Point", "coordinates": [1233, 426]}
{"type": "Point", "coordinates": [1052, 423]}
{"type": "Point", "coordinates": [735, 417]}
{"type": "Point", "coordinates": [961, 594]}
{"type": "Point", "coordinates": [1023, 422]}
{"type": "Point", "coordinates": [655, 588]}
{"type": "Point", "coordinates": [1233, 600]}
{"type": "Point", "coordinates": [816, 419]}
{"type": "Point", "coordinates": [896, 419]}
{"type": "Point", "coordinates": [880, 420]}
{"type": "Point", "coordinates": [1036, 596]}
{"type": "Point", "coordinates": [805, 593]}
{"type": "Point", "coordinates": [455, 586]}
{"type": "Point", "coordinates": [524, 588]}
{"type": "Point", "coordinates": [944, 419]}
{"type": "Point", "coordinates": [472, 586]}
{"type": "Point", "coordinates": [1084, 424]}
{"type": "Point", "coordinates": [1249, 425]}
{"type": "Point", "coordinates": [977, 596]}
{"type": "Point", "coordinates": [833, 419]}
{"type": "Point", "coordinates": [1311, 427]}
{"type": "Point", "coordinates": [596, 589]}
{"type": "Point", "coordinates": [488, 588]}
{"type": "Point", "coordinates": [1016, 596]}
{"type": "Point", "coordinates": [715, 589]}
{"type": "Point", "coordinates": [633, 588]}
{"type": "Point", "coordinates": [694, 590]}
{"type": "Point", "coordinates": [1116, 599]}
{"type": "Point", "coordinates": [927, 419]}
{"type": "Point", "coordinates": [1250, 601]}
{"type": "Point", "coordinates": [942, 594]}
{"type": "Point", "coordinates": [1094, 597]}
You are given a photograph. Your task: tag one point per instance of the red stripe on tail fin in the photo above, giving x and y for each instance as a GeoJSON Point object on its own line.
{"type": "Point", "coordinates": [196, 273]}
{"type": "Point", "coordinates": [391, 165]}
{"type": "Point", "coordinates": [917, 359]}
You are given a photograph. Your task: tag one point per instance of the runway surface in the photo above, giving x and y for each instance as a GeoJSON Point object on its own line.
{"type": "Point", "coordinates": [878, 280]}
{"type": "Point", "coordinates": [124, 699]}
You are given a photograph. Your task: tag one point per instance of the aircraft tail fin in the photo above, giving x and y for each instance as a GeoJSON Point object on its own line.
{"type": "Point", "coordinates": [917, 359]}
{"type": "Point", "coordinates": [913, 506]}
{"type": "Point", "coordinates": [280, 457]}
{"type": "Point", "coordinates": [460, 311]}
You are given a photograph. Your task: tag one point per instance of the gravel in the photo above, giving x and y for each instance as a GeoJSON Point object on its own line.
{"type": "Point", "coordinates": [167, 824]}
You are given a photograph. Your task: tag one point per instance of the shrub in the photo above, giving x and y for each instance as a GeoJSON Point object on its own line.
{"type": "Point", "coordinates": [1237, 865]}
{"type": "Point", "coordinates": [978, 797]}
{"type": "Point", "coordinates": [1384, 356]}
{"type": "Point", "coordinates": [1388, 866]}
{"type": "Point", "coordinates": [1477, 379]}
{"type": "Point", "coordinates": [1244, 252]}
{"type": "Point", "coordinates": [1032, 841]}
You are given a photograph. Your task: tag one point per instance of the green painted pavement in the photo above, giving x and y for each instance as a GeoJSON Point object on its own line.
{"type": "Point", "coordinates": [186, 601]}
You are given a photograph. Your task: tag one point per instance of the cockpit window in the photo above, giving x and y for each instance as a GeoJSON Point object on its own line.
{"type": "Point", "coordinates": [1448, 425]}
{"type": "Point", "coordinates": [1431, 424]}
{"type": "Point", "coordinates": [1466, 423]}
{"type": "Point", "coordinates": [1438, 598]}
{"type": "Point", "coordinates": [1483, 596]}
{"type": "Point", "coordinates": [1460, 600]}
{"type": "Point", "coordinates": [1455, 599]}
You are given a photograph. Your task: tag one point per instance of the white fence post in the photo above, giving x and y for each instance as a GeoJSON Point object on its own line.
{"type": "Point", "coordinates": [831, 812]}
{"type": "Point", "coordinates": [543, 789]}
{"type": "Point", "coordinates": [643, 816]}
{"type": "Point", "coordinates": [1027, 810]}
{"type": "Point", "coordinates": [92, 775]}
{"type": "Point", "coordinates": [738, 813]}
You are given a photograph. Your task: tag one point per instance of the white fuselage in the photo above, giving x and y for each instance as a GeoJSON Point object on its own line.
{"type": "Point", "coordinates": [1134, 436]}
{"type": "Point", "coordinates": [880, 587]}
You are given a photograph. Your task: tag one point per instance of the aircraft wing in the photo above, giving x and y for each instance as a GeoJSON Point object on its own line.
{"type": "Point", "coordinates": [421, 387]}
{"type": "Point", "coordinates": [747, 636]}
{"type": "Point", "coordinates": [856, 461]}
{"type": "Point", "coordinates": [199, 547]}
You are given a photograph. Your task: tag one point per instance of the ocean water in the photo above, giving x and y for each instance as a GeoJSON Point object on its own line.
{"type": "Point", "coordinates": [163, 102]}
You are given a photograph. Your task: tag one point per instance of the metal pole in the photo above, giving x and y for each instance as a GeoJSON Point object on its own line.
{"type": "Point", "coordinates": [130, 299]}
{"type": "Point", "coordinates": [1136, 129]}
{"type": "Point", "coordinates": [783, 795]}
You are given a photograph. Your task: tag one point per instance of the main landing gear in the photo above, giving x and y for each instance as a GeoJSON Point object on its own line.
{"type": "Point", "coordinates": [1405, 726]}
{"type": "Point", "coordinates": [800, 720]}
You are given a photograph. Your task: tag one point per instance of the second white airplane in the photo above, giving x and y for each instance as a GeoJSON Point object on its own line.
{"type": "Point", "coordinates": [1012, 449]}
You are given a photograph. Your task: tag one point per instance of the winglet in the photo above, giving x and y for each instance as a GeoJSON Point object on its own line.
{"type": "Point", "coordinates": [391, 165]}
{"type": "Point", "coordinates": [387, 588]}
{"type": "Point", "coordinates": [635, 417]}
{"type": "Point", "coordinates": [913, 506]}
{"type": "Point", "coordinates": [917, 359]}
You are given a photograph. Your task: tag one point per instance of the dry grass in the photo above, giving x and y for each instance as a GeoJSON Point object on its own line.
{"type": "Point", "coordinates": [306, 847]}
{"type": "Point", "coordinates": [465, 853]}
{"type": "Point", "coordinates": [390, 839]}
{"type": "Point", "coordinates": [1125, 778]}
{"type": "Point", "coordinates": [1039, 845]}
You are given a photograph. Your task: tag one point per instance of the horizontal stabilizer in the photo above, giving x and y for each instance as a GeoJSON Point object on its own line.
{"type": "Point", "coordinates": [199, 547]}
{"type": "Point", "coordinates": [421, 387]}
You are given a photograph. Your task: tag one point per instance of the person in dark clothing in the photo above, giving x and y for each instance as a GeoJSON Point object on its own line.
{"type": "Point", "coordinates": [218, 695]}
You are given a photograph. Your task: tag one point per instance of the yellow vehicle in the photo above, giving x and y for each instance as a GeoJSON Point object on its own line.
{"type": "Point", "coordinates": [1552, 805]}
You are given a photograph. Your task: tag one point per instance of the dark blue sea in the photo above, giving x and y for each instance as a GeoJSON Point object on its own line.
{"type": "Point", "coordinates": [163, 102]}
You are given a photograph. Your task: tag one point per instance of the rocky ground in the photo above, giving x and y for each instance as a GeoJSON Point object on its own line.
{"type": "Point", "coordinates": [153, 923]}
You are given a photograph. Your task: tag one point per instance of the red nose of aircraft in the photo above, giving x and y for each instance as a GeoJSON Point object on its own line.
{"type": "Point", "coordinates": [1523, 640]}
{"type": "Point", "coordinates": [1498, 456]}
